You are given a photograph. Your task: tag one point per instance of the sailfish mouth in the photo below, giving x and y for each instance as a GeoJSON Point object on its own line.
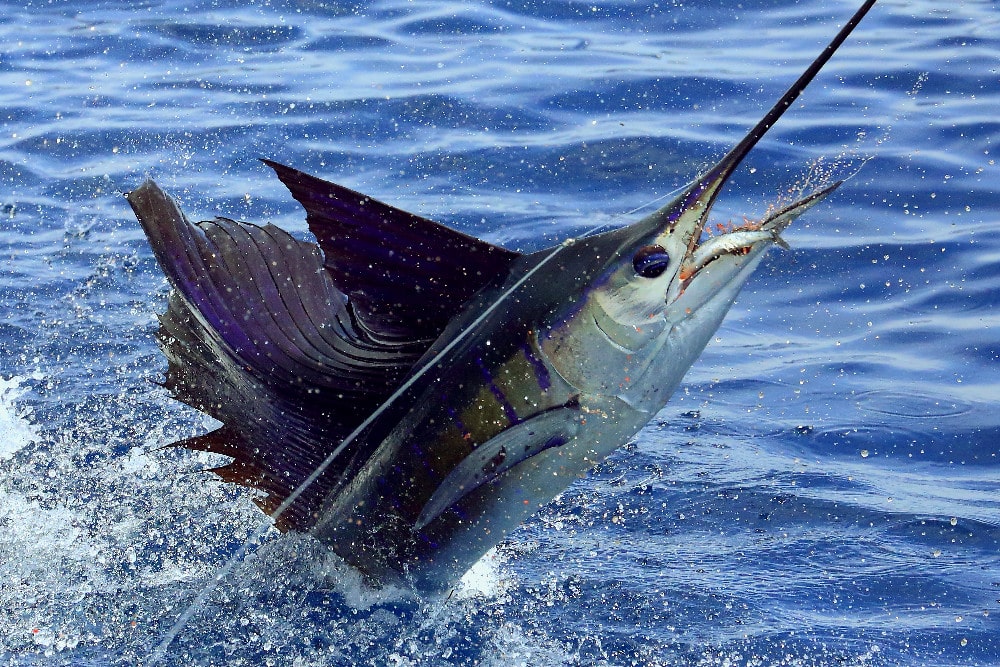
{"type": "Point", "coordinates": [741, 240]}
{"type": "Point", "coordinates": [688, 216]}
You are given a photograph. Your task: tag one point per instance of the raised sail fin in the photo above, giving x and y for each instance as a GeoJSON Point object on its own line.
{"type": "Point", "coordinates": [406, 275]}
{"type": "Point", "coordinates": [258, 337]}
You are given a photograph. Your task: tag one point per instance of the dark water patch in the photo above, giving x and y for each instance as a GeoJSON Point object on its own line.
{"type": "Point", "coordinates": [210, 36]}
{"type": "Point", "coordinates": [347, 43]}
{"type": "Point", "coordinates": [452, 26]}
{"type": "Point", "coordinates": [646, 94]}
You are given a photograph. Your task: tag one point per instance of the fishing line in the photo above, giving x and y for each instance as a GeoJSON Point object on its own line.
{"type": "Point", "coordinates": [608, 226]}
{"type": "Point", "coordinates": [199, 601]}
{"type": "Point", "coordinates": [672, 193]}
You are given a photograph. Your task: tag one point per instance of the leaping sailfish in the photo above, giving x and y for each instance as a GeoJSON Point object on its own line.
{"type": "Point", "coordinates": [408, 394]}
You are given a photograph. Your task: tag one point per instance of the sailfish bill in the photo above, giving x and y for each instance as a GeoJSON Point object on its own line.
{"type": "Point", "coordinates": [409, 394]}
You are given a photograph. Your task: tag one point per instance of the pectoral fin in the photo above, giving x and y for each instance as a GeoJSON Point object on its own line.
{"type": "Point", "coordinates": [552, 428]}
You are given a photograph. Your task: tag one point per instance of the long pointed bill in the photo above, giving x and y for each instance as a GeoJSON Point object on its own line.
{"type": "Point", "coordinates": [688, 214]}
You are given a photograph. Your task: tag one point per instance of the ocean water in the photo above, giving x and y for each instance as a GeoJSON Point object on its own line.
{"type": "Point", "coordinates": [824, 489]}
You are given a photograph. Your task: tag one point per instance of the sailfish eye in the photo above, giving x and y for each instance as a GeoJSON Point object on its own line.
{"type": "Point", "coordinates": [651, 261]}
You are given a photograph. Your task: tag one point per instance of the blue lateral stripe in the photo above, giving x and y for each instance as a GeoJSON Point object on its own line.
{"type": "Point", "coordinates": [541, 372]}
{"type": "Point", "coordinates": [508, 409]}
{"type": "Point", "coordinates": [456, 419]}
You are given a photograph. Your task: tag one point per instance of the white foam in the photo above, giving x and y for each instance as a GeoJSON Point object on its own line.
{"type": "Point", "coordinates": [514, 646]}
{"type": "Point", "coordinates": [16, 429]}
{"type": "Point", "coordinates": [485, 578]}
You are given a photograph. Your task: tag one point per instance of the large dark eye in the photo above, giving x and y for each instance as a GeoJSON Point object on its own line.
{"type": "Point", "coordinates": [651, 261]}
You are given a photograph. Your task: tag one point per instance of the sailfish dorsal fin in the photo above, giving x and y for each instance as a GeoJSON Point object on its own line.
{"type": "Point", "coordinates": [406, 275]}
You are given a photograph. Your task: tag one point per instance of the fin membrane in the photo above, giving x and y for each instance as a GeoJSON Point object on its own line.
{"type": "Point", "coordinates": [257, 336]}
{"type": "Point", "coordinates": [406, 275]}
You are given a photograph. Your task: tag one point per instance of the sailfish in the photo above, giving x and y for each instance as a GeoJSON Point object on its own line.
{"type": "Point", "coordinates": [408, 394]}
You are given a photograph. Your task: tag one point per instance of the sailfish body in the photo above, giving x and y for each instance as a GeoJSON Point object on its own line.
{"type": "Point", "coordinates": [409, 394]}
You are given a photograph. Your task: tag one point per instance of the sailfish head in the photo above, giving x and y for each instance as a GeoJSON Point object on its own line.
{"type": "Point", "coordinates": [670, 248]}
{"type": "Point", "coordinates": [669, 273]}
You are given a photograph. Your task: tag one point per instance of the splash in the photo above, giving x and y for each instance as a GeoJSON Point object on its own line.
{"type": "Point", "coordinates": [823, 171]}
{"type": "Point", "coordinates": [15, 419]}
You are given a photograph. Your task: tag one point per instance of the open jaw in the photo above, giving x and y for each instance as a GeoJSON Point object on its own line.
{"type": "Point", "coordinates": [707, 251]}
{"type": "Point", "coordinates": [740, 240]}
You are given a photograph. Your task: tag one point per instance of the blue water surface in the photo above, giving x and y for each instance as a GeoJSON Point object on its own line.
{"type": "Point", "coordinates": [824, 489]}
